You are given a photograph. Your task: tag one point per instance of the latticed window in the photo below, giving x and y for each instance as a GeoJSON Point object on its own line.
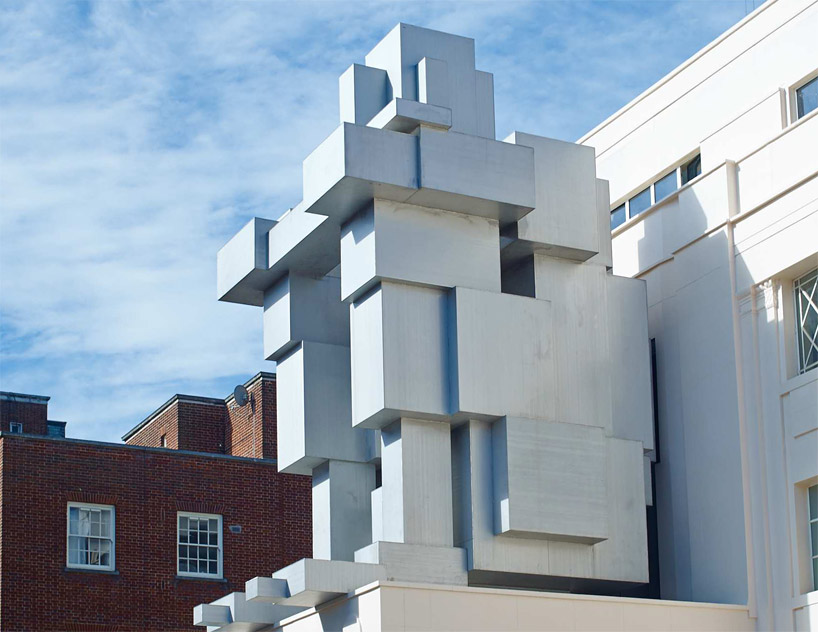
{"type": "Point", "coordinates": [806, 311]}
{"type": "Point", "coordinates": [91, 536]}
{"type": "Point", "coordinates": [199, 545]}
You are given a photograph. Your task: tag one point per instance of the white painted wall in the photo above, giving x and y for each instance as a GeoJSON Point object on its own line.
{"type": "Point", "coordinates": [738, 426]}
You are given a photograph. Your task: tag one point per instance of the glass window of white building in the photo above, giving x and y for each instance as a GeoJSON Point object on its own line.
{"type": "Point", "coordinates": [91, 536]}
{"type": "Point", "coordinates": [199, 545]}
{"type": "Point", "coordinates": [806, 98]}
{"type": "Point", "coordinates": [805, 290]}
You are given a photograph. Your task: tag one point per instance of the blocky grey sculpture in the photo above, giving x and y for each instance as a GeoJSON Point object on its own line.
{"type": "Point", "coordinates": [442, 312]}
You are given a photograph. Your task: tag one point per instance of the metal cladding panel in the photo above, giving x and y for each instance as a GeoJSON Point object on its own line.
{"type": "Point", "coordinates": [356, 164]}
{"type": "Point", "coordinates": [629, 347]}
{"type": "Point", "coordinates": [303, 308]}
{"type": "Point", "coordinates": [400, 52]}
{"type": "Point", "coordinates": [399, 354]}
{"type": "Point", "coordinates": [362, 93]}
{"type": "Point", "coordinates": [240, 260]}
{"type": "Point", "coordinates": [580, 314]}
{"type": "Point", "coordinates": [501, 355]}
{"type": "Point", "coordinates": [564, 219]}
{"type": "Point", "coordinates": [549, 480]}
{"type": "Point", "coordinates": [403, 242]}
{"type": "Point", "coordinates": [474, 175]}
{"type": "Point", "coordinates": [314, 421]}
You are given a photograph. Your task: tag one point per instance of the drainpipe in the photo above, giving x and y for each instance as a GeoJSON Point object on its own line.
{"type": "Point", "coordinates": [733, 209]}
{"type": "Point", "coordinates": [762, 460]}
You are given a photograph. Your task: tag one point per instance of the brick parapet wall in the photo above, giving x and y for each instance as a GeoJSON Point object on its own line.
{"type": "Point", "coordinates": [33, 416]}
{"type": "Point", "coordinates": [251, 429]}
{"type": "Point", "coordinates": [147, 488]}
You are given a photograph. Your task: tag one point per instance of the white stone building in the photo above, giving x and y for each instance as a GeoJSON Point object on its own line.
{"type": "Point", "coordinates": [713, 177]}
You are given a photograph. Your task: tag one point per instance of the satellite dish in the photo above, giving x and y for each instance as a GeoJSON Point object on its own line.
{"type": "Point", "coordinates": [241, 395]}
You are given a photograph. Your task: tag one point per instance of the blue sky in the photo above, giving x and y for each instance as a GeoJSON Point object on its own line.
{"type": "Point", "coordinates": [137, 137]}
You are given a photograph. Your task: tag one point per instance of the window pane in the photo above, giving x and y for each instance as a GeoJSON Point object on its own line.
{"type": "Point", "coordinates": [183, 566]}
{"type": "Point", "coordinates": [813, 502]}
{"type": "Point", "coordinates": [806, 304]}
{"type": "Point", "coordinates": [618, 216]}
{"type": "Point", "coordinates": [814, 537]}
{"type": "Point", "coordinates": [692, 169]}
{"type": "Point", "coordinates": [214, 568]}
{"type": "Point", "coordinates": [213, 525]}
{"type": "Point", "coordinates": [194, 536]}
{"type": "Point", "coordinates": [183, 522]}
{"type": "Point", "coordinates": [214, 539]}
{"type": "Point", "coordinates": [639, 202]}
{"type": "Point", "coordinates": [806, 97]}
{"type": "Point", "coordinates": [815, 573]}
{"type": "Point", "coordinates": [665, 186]}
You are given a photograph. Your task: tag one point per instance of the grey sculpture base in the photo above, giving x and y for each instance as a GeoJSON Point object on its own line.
{"type": "Point", "coordinates": [417, 562]}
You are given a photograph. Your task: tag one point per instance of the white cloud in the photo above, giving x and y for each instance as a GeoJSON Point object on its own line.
{"type": "Point", "coordinates": [136, 138]}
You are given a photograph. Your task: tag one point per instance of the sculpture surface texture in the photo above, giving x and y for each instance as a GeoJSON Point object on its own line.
{"type": "Point", "coordinates": [458, 370]}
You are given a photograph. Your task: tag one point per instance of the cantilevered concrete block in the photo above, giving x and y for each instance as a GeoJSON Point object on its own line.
{"type": "Point", "coordinates": [564, 222]}
{"type": "Point", "coordinates": [314, 414]}
{"type": "Point", "coordinates": [549, 480]}
{"type": "Point", "coordinates": [300, 308]}
{"type": "Point", "coordinates": [304, 243]}
{"type": "Point", "coordinates": [417, 563]}
{"type": "Point", "coordinates": [242, 259]}
{"type": "Point", "coordinates": [484, 90]}
{"type": "Point", "coordinates": [474, 175]}
{"type": "Point", "coordinates": [311, 582]}
{"type": "Point", "coordinates": [399, 363]}
{"type": "Point", "coordinates": [416, 472]}
{"type": "Point", "coordinates": [266, 590]}
{"type": "Point", "coordinates": [403, 242]}
{"type": "Point", "coordinates": [501, 359]}
{"type": "Point", "coordinates": [234, 613]}
{"type": "Point", "coordinates": [341, 508]}
{"type": "Point", "coordinates": [629, 348]}
{"type": "Point", "coordinates": [356, 164]}
{"type": "Point", "coordinates": [404, 116]}
{"type": "Point", "coordinates": [363, 92]}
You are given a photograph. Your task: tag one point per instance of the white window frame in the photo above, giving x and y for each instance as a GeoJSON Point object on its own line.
{"type": "Point", "coordinates": [799, 342]}
{"type": "Point", "coordinates": [16, 427]}
{"type": "Point", "coordinates": [220, 549]}
{"type": "Point", "coordinates": [68, 534]}
{"type": "Point", "coordinates": [792, 98]}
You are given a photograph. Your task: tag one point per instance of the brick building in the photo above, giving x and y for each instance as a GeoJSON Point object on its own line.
{"type": "Point", "coordinates": [103, 536]}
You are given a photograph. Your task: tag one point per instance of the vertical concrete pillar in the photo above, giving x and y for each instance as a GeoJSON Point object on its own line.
{"type": "Point", "coordinates": [341, 509]}
{"type": "Point", "coordinates": [416, 470]}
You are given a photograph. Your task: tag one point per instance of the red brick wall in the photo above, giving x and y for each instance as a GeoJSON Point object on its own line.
{"type": "Point", "coordinates": [147, 487]}
{"type": "Point", "coordinates": [33, 416]}
{"type": "Point", "coordinates": [251, 429]}
{"type": "Point", "coordinates": [187, 424]}
{"type": "Point", "coordinates": [165, 423]}
{"type": "Point", "coordinates": [202, 426]}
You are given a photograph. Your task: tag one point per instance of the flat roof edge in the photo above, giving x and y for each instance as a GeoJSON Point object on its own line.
{"type": "Point", "coordinates": [9, 396]}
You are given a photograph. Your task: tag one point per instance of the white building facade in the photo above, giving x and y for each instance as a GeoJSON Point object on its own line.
{"type": "Point", "coordinates": [713, 178]}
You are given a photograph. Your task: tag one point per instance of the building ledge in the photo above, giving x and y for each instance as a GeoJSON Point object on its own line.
{"type": "Point", "coordinates": [89, 571]}
{"type": "Point", "coordinates": [187, 578]}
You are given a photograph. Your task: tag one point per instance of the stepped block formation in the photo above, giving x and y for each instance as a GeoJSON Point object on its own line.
{"type": "Point", "coordinates": [459, 372]}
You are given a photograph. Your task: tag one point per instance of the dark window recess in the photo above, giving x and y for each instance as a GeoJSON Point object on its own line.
{"type": "Point", "coordinates": [806, 98]}
{"type": "Point", "coordinates": [640, 202]}
{"type": "Point", "coordinates": [692, 169]}
{"type": "Point", "coordinates": [618, 216]}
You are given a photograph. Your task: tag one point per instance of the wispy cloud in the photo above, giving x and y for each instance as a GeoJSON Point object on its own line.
{"type": "Point", "coordinates": [137, 137]}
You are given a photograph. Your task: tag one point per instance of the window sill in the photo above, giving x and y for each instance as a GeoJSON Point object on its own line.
{"type": "Point", "coordinates": [93, 571]}
{"type": "Point", "coordinates": [798, 381]}
{"type": "Point", "coordinates": [219, 580]}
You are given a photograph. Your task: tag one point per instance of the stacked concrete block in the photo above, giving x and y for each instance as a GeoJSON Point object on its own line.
{"type": "Point", "coordinates": [472, 346]}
